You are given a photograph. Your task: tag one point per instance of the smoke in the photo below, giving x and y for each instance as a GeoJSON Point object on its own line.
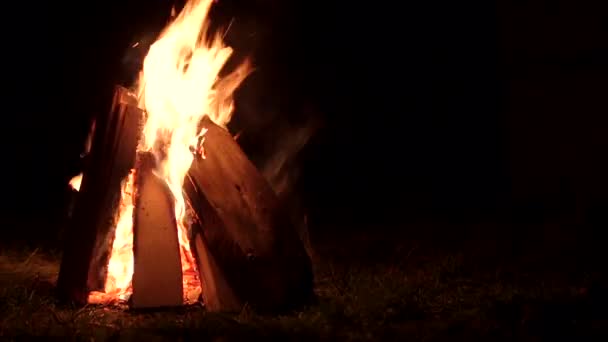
{"type": "Point", "coordinates": [133, 58]}
{"type": "Point", "coordinates": [281, 167]}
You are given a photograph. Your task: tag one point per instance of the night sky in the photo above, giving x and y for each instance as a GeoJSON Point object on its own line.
{"type": "Point", "coordinates": [443, 109]}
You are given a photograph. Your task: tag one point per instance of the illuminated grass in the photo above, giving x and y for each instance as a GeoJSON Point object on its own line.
{"type": "Point", "coordinates": [404, 292]}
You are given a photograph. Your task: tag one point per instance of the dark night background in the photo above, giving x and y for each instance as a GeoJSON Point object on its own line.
{"type": "Point", "coordinates": [443, 110]}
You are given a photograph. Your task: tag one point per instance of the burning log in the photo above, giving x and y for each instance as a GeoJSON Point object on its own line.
{"type": "Point", "coordinates": [89, 235]}
{"type": "Point", "coordinates": [244, 231]}
{"type": "Point", "coordinates": [157, 275]}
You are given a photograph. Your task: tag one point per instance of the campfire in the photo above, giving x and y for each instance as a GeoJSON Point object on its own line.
{"type": "Point", "coordinates": [170, 211]}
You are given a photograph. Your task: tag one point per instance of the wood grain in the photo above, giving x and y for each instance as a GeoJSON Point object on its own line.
{"type": "Point", "coordinates": [246, 231]}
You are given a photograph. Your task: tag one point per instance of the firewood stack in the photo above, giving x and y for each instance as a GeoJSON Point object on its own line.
{"type": "Point", "coordinates": [246, 246]}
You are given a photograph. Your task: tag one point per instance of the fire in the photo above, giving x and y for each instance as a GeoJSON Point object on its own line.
{"type": "Point", "coordinates": [180, 84]}
{"type": "Point", "coordinates": [75, 182]}
{"type": "Point", "coordinates": [120, 266]}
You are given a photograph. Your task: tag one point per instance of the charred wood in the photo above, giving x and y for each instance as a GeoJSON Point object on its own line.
{"type": "Point", "coordinates": [89, 234]}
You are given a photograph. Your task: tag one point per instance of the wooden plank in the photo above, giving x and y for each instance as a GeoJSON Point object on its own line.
{"type": "Point", "coordinates": [217, 294]}
{"type": "Point", "coordinates": [157, 276]}
{"type": "Point", "coordinates": [246, 230]}
{"type": "Point", "coordinates": [89, 235]}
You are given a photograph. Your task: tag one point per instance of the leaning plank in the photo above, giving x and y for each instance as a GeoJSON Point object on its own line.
{"type": "Point", "coordinates": [89, 234]}
{"type": "Point", "coordinates": [249, 236]}
{"type": "Point", "coordinates": [157, 275]}
{"type": "Point", "coordinates": [217, 293]}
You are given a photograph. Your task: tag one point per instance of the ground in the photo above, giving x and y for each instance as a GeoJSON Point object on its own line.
{"type": "Point", "coordinates": [370, 286]}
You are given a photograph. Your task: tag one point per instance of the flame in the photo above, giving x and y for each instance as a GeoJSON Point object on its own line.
{"type": "Point", "coordinates": [75, 182]}
{"type": "Point", "coordinates": [180, 84]}
{"type": "Point", "coordinates": [120, 266]}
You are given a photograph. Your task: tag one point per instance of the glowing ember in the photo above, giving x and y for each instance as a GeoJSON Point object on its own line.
{"type": "Point", "coordinates": [178, 86]}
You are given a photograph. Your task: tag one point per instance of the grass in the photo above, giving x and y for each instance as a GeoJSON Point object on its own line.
{"type": "Point", "coordinates": [401, 290]}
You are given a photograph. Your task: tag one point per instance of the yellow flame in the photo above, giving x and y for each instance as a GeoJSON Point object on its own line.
{"type": "Point", "coordinates": [76, 181]}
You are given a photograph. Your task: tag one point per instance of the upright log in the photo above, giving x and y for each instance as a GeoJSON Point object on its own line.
{"type": "Point", "coordinates": [89, 236]}
{"type": "Point", "coordinates": [244, 231]}
{"type": "Point", "coordinates": [157, 273]}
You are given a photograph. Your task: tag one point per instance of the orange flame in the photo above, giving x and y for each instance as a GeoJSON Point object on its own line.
{"type": "Point", "coordinates": [179, 85]}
